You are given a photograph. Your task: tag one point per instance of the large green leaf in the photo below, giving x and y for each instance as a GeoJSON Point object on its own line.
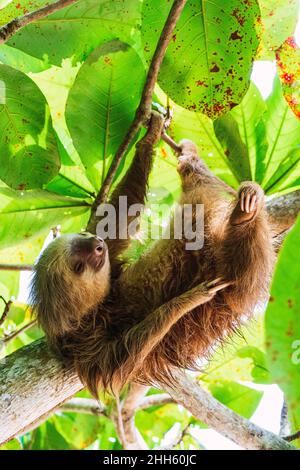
{"type": "Point", "coordinates": [260, 140]}
{"type": "Point", "coordinates": [283, 134]}
{"type": "Point", "coordinates": [283, 325]}
{"type": "Point", "coordinates": [28, 151]}
{"type": "Point", "coordinates": [279, 18]}
{"type": "Point", "coordinates": [102, 103]}
{"type": "Point", "coordinates": [77, 29]}
{"type": "Point", "coordinates": [241, 399]}
{"type": "Point", "coordinates": [21, 61]}
{"type": "Point", "coordinates": [242, 135]}
{"type": "Point", "coordinates": [208, 62]}
{"type": "Point", "coordinates": [24, 215]}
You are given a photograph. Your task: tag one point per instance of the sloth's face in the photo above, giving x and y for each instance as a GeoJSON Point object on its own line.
{"type": "Point", "coordinates": [71, 276]}
{"type": "Point", "coordinates": [87, 251]}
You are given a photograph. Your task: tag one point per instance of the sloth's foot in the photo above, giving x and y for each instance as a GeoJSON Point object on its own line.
{"type": "Point", "coordinates": [250, 202]}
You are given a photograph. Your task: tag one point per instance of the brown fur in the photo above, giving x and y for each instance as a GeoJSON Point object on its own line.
{"type": "Point", "coordinates": [162, 311]}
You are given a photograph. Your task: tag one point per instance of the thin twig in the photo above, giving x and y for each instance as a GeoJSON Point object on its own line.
{"type": "Point", "coordinates": [144, 108]}
{"type": "Point", "coordinates": [16, 267]}
{"type": "Point", "coordinates": [292, 437]}
{"type": "Point", "coordinates": [84, 406]}
{"type": "Point", "coordinates": [9, 29]}
{"type": "Point", "coordinates": [16, 333]}
{"type": "Point", "coordinates": [6, 309]}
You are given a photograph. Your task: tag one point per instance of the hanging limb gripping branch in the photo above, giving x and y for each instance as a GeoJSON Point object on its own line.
{"type": "Point", "coordinates": [144, 108]}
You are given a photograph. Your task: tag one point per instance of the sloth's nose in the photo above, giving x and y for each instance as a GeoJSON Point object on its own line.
{"type": "Point", "coordinates": [98, 245]}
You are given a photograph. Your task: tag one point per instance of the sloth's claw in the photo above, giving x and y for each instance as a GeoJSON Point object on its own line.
{"type": "Point", "coordinates": [251, 200]}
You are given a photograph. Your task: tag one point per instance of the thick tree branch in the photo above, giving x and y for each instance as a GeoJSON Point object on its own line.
{"type": "Point", "coordinates": [231, 425]}
{"type": "Point", "coordinates": [144, 109]}
{"type": "Point", "coordinates": [33, 383]}
{"type": "Point", "coordinates": [283, 210]}
{"type": "Point", "coordinates": [9, 29]}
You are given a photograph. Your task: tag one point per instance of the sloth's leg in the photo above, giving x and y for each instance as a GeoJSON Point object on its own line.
{"type": "Point", "coordinates": [194, 172]}
{"type": "Point", "coordinates": [141, 339]}
{"type": "Point", "coordinates": [245, 255]}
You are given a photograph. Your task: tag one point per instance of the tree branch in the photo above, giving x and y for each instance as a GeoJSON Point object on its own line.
{"type": "Point", "coordinates": [16, 267]}
{"type": "Point", "coordinates": [217, 416]}
{"type": "Point", "coordinates": [33, 383]}
{"type": "Point", "coordinates": [6, 309]}
{"type": "Point", "coordinates": [144, 108]}
{"type": "Point", "coordinates": [6, 339]}
{"type": "Point", "coordinates": [133, 398]}
{"type": "Point", "coordinates": [9, 29]}
{"type": "Point", "coordinates": [292, 437]}
{"type": "Point", "coordinates": [84, 405]}
{"type": "Point", "coordinates": [283, 210]}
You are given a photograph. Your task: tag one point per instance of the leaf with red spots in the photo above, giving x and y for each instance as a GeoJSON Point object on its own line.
{"type": "Point", "coordinates": [279, 19]}
{"type": "Point", "coordinates": [28, 152]}
{"type": "Point", "coordinates": [74, 31]}
{"type": "Point", "coordinates": [107, 108]}
{"type": "Point", "coordinates": [207, 65]}
{"type": "Point", "coordinates": [283, 325]}
{"type": "Point", "coordinates": [288, 64]}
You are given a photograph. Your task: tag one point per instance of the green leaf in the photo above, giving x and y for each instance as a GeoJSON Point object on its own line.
{"type": "Point", "coordinates": [283, 326]}
{"type": "Point", "coordinates": [21, 61]}
{"type": "Point", "coordinates": [78, 429]}
{"type": "Point", "coordinates": [239, 357]}
{"type": "Point", "coordinates": [208, 61]}
{"type": "Point", "coordinates": [239, 398]}
{"type": "Point", "coordinates": [286, 177]}
{"type": "Point", "coordinates": [279, 20]}
{"type": "Point", "coordinates": [102, 103]}
{"type": "Point", "coordinates": [14, 444]}
{"type": "Point", "coordinates": [236, 151]}
{"type": "Point", "coordinates": [28, 152]}
{"type": "Point", "coordinates": [242, 135]}
{"type": "Point", "coordinates": [24, 215]}
{"type": "Point", "coordinates": [77, 29]}
{"type": "Point", "coordinates": [48, 437]}
{"type": "Point", "coordinates": [283, 134]}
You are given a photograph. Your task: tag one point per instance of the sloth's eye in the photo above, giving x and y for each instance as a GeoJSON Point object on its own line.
{"type": "Point", "coordinates": [78, 267]}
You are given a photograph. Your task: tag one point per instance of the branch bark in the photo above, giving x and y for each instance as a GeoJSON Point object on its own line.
{"type": "Point", "coordinates": [33, 383]}
{"type": "Point", "coordinates": [144, 108]}
{"type": "Point", "coordinates": [9, 29]}
{"type": "Point", "coordinates": [231, 425]}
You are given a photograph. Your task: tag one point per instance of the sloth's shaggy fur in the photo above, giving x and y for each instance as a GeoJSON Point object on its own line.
{"type": "Point", "coordinates": [162, 311]}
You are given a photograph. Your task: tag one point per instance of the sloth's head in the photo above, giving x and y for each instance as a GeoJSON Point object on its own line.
{"type": "Point", "coordinates": [71, 276]}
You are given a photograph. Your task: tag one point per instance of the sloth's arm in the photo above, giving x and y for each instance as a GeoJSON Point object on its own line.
{"type": "Point", "coordinates": [141, 339]}
{"type": "Point", "coordinates": [134, 186]}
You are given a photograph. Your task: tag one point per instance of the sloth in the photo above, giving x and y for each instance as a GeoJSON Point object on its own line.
{"type": "Point", "coordinates": [119, 321]}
